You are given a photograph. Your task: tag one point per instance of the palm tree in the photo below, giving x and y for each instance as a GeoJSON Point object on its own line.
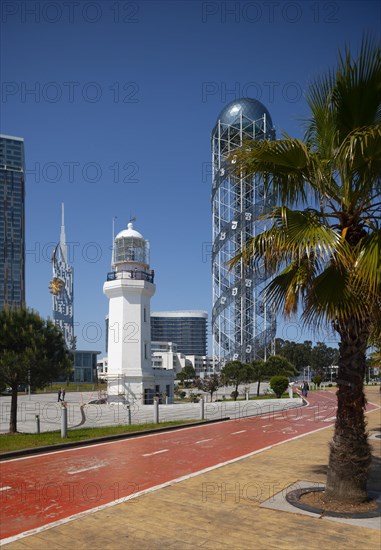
{"type": "Point", "coordinates": [327, 259]}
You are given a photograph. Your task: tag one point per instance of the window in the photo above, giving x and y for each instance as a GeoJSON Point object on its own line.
{"type": "Point", "coordinates": [145, 315]}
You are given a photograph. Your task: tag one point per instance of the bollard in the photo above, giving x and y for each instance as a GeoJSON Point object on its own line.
{"type": "Point", "coordinates": [129, 414]}
{"type": "Point", "coordinates": [166, 399]}
{"type": "Point", "coordinates": [202, 409]}
{"type": "Point", "coordinates": [38, 423]}
{"type": "Point", "coordinates": [155, 410]}
{"type": "Point", "coordinates": [64, 422]}
{"type": "Point", "coordinates": [247, 396]}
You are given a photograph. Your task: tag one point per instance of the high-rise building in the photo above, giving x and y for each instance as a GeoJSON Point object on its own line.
{"type": "Point", "coordinates": [187, 329]}
{"type": "Point", "coordinates": [62, 288]}
{"type": "Point", "coordinates": [12, 222]}
{"type": "Point", "coordinates": [242, 323]}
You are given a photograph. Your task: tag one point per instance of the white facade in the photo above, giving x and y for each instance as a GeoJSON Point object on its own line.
{"type": "Point", "coordinates": [102, 367]}
{"type": "Point", "coordinates": [203, 365]}
{"type": "Point", "coordinates": [166, 356]}
{"type": "Point", "coordinates": [129, 288]}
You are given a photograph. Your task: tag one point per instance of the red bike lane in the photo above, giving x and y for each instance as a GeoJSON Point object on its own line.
{"type": "Point", "coordinates": [44, 490]}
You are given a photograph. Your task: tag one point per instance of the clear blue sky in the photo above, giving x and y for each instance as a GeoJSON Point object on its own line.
{"type": "Point", "coordinates": [125, 98]}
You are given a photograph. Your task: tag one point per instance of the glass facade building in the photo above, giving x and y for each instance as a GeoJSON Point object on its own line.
{"type": "Point", "coordinates": [12, 222]}
{"type": "Point", "coordinates": [243, 325]}
{"type": "Point", "coordinates": [85, 366]}
{"type": "Point", "coordinates": [187, 329]}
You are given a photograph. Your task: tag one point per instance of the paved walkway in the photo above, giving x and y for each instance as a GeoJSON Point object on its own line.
{"type": "Point", "coordinates": [221, 508]}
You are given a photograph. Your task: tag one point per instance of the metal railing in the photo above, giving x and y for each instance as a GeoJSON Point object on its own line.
{"type": "Point", "coordinates": [131, 274]}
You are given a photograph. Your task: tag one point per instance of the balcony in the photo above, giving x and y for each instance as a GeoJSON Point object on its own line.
{"type": "Point", "coordinates": [131, 274]}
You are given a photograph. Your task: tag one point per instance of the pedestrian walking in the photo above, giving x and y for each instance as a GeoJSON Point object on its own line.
{"type": "Point", "coordinates": [63, 395]}
{"type": "Point", "coordinates": [59, 395]}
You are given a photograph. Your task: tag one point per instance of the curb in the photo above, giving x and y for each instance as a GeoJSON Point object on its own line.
{"type": "Point", "coordinates": [103, 439]}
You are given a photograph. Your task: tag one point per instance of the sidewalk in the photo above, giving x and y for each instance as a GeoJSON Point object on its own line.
{"type": "Point", "coordinates": [220, 509]}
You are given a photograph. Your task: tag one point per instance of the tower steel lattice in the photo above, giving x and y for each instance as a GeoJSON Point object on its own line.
{"type": "Point", "coordinates": [243, 324]}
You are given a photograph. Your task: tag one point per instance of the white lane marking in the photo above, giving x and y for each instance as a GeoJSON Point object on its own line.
{"type": "Point", "coordinates": [157, 452]}
{"type": "Point", "coordinates": [37, 530]}
{"type": "Point", "coordinates": [203, 440]}
{"type": "Point", "coordinates": [330, 419]}
{"type": "Point", "coordinates": [240, 432]}
{"type": "Point", "coordinates": [6, 488]}
{"type": "Point", "coordinates": [72, 472]}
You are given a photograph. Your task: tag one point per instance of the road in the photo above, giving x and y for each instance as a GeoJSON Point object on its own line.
{"type": "Point", "coordinates": [47, 489]}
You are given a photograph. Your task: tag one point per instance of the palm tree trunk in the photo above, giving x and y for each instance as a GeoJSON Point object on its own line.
{"type": "Point", "coordinates": [350, 454]}
{"type": "Point", "coordinates": [13, 415]}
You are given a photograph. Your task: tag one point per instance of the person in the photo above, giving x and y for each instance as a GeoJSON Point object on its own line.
{"type": "Point", "coordinates": [63, 395]}
{"type": "Point", "coordinates": [59, 395]}
{"type": "Point", "coordinates": [306, 388]}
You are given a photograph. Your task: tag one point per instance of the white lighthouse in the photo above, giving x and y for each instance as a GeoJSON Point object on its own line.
{"type": "Point", "coordinates": [129, 288]}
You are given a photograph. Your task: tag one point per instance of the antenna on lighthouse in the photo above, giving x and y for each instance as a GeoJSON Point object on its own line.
{"type": "Point", "coordinates": [113, 241]}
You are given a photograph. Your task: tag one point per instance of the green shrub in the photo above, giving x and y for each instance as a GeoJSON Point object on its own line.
{"type": "Point", "coordinates": [279, 385]}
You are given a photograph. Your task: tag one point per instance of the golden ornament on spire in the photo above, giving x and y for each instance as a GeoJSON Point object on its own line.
{"type": "Point", "coordinates": [55, 286]}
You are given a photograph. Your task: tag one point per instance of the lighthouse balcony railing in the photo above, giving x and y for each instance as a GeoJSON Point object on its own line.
{"type": "Point", "coordinates": [131, 274]}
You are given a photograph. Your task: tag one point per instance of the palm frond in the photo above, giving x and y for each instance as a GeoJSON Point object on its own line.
{"type": "Point", "coordinates": [332, 297]}
{"type": "Point", "coordinates": [286, 290]}
{"type": "Point", "coordinates": [287, 161]}
{"type": "Point", "coordinates": [357, 92]}
{"type": "Point", "coordinates": [294, 235]}
{"type": "Point", "coordinates": [367, 266]}
{"type": "Point", "coordinates": [359, 161]}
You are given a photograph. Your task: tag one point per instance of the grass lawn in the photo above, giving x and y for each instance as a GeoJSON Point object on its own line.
{"type": "Point", "coordinates": [14, 442]}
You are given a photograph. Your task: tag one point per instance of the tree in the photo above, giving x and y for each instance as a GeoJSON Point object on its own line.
{"type": "Point", "coordinates": [275, 365]}
{"type": "Point", "coordinates": [299, 354]}
{"type": "Point", "coordinates": [279, 385]}
{"type": "Point", "coordinates": [235, 373]}
{"type": "Point", "coordinates": [32, 351]}
{"type": "Point", "coordinates": [186, 373]}
{"type": "Point", "coordinates": [328, 257]}
{"type": "Point", "coordinates": [322, 357]}
{"type": "Point", "coordinates": [259, 373]}
{"type": "Point", "coordinates": [278, 365]}
{"type": "Point", "coordinates": [209, 384]}
{"type": "Point", "coordinates": [375, 358]}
